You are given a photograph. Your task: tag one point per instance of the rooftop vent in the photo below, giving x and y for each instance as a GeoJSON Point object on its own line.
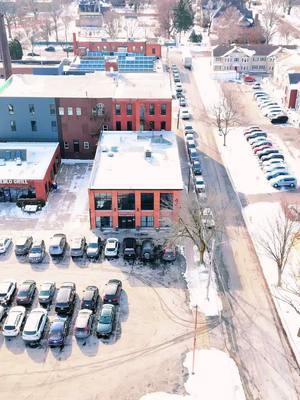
{"type": "Point", "coordinates": [148, 154]}
{"type": "Point", "coordinates": [18, 161]}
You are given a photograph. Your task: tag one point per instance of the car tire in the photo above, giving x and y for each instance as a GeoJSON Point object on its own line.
{"type": "Point", "coordinates": [275, 185]}
{"type": "Point", "coordinates": [292, 185]}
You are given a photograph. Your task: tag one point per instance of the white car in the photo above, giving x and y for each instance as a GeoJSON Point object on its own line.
{"type": "Point", "coordinates": [185, 114]}
{"type": "Point", "coordinates": [272, 162]}
{"type": "Point", "coordinates": [274, 110]}
{"type": "Point", "coordinates": [266, 103]}
{"type": "Point", "coordinates": [111, 247]}
{"type": "Point", "coordinates": [5, 242]}
{"type": "Point", "coordinates": [257, 140]}
{"type": "Point", "coordinates": [270, 168]}
{"type": "Point", "coordinates": [287, 181]}
{"type": "Point", "coordinates": [182, 102]}
{"type": "Point", "coordinates": [199, 184]}
{"type": "Point", "coordinates": [35, 325]}
{"type": "Point", "coordinates": [178, 87]}
{"type": "Point", "coordinates": [189, 136]}
{"type": "Point", "coordinates": [7, 291]}
{"type": "Point", "coordinates": [14, 320]}
{"type": "Point", "coordinates": [2, 312]}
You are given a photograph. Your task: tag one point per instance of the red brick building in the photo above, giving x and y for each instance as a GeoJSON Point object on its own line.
{"type": "Point", "coordinates": [148, 49]}
{"type": "Point", "coordinates": [145, 193]}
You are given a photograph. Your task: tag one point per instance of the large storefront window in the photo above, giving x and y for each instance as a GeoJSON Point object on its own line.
{"type": "Point", "coordinates": [103, 222]}
{"type": "Point", "coordinates": [166, 201]}
{"type": "Point", "coordinates": [126, 201]}
{"type": "Point", "coordinates": [147, 222]}
{"type": "Point", "coordinates": [12, 194]}
{"type": "Point", "coordinates": [147, 201]}
{"type": "Point", "coordinates": [103, 201]}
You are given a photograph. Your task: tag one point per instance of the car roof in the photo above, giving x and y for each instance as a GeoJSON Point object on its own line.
{"type": "Point", "coordinates": [89, 293]}
{"type": "Point", "coordinates": [46, 285]}
{"type": "Point", "coordinates": [82, 318]}
{"type": "Point", "coordinates": [12, 314]}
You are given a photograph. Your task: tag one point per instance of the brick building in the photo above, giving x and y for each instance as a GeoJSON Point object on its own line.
{"type": "Point", "coordinates": [145, 193]}
{"type": "Point", "coordinates": [74, 110]}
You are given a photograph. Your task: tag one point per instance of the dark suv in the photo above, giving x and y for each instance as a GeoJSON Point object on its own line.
{"type": "Point", "coordinates": [23, 245]}
{"type": "Point", "coordinates": [65, 299]}
{"type": "Point", "coordinates": [112, 292]}
{"type": "Point", "coordinates": [129, 248]}
{"type": "Point", "coordinates": [26, 293]}
{"type": "Point", "coordinates": [148, 253]}
{"type": "Point", "coordinates": [90, 298]}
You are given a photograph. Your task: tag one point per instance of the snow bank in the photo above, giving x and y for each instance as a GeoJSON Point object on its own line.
{"type": "Point", "coordinates": [216, 377]}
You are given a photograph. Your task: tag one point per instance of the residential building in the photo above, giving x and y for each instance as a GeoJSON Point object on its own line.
{"type": "Point", "coordinates": [136, 181]}
{"type": "Point", "coordinates": [74, 110]}
{"type": "Point", "coordinates": [27, 170]}
{"type": "Point", "coordinates": [254, 59]}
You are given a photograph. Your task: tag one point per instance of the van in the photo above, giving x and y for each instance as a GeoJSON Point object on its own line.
{"type": "Point", "coordinates": [23, 245]}
{"type": "Point", "coordinates": [35, 325]}
{"type": "Point", "coordinates": [147, 253]}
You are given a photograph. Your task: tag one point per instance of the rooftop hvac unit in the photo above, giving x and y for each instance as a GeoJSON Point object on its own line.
{"type": "Point", "coordinates": [18, 161]}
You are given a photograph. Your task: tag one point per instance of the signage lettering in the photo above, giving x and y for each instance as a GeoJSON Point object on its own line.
{"type": "Point", "coordinates": [13, 181]}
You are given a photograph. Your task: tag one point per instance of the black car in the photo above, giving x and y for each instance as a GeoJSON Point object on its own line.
{"type": "Point", "coordinates": [58, 332]}
{"type": "Point", "coordinates": [196, 167]}
{"type": "Point", "coordinates": [26, 293]}
{"type": "Point", "coordinates": [50, 48]}
{"type": "Point", "coordinates": [32, 54]}
{"type": "Point", "coordinates": [46, 293]}
{"type": "Point", "coordinates": [148, 250]}
{"type": "Point", "coordinates": [112, 292]}
{"type": "Point", "coordinates": [65, 299]}
{"type": "Point", "coordinates": [90, 298]}
{"type": "Point", "coordinates": [129, 248]}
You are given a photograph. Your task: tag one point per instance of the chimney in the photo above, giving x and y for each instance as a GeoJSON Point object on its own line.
{"type": "Point", "coordinates": [5, 49]}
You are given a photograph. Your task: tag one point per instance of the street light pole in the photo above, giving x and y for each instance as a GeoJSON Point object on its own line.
{"type": "Point", "coordinates": [195, 339]}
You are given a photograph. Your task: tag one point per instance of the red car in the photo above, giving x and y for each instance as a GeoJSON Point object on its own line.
{"type": "Point", "coordinates": [263, 147]}
{"type": "Point", "coordinates": [249, 78]}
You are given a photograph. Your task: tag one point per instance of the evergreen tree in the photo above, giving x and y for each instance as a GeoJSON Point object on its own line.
{"type": "Point", "coordinates": [15, 50]}
{"type": "Point", "coordinates": [183, 16]}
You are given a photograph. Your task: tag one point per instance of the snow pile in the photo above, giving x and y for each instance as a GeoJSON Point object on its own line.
{"type": "Point", "coordinates": [201, 283]}
{"type": "Point", "coordinates": [216, 377]}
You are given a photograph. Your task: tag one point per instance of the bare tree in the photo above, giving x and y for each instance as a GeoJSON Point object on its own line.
{"type": "Point", "coordinates": [56, 11]}
{"type": "Point", "coordinates": [227, 26]}
{"type": "Point", "coordinates": [210, 11]}
{"type": "Point", "coordinates": [31, 7]}
{"type": "Point", "coordinates": [165, 16]}
{"type": "Point", "coordinates": [225, 115]}
{"type": "Point", "coordinates": [66, 20]}
{"type": "Point", "coordinates": [112, 23]}
{"type": "Point", "coordinates": [287, 5]}
{"type": "Point", "coordinates": [9, 12]}
{"type": "Point", "coordinates": [131, 25]}
{"type": "Point", "coordinates": [45, 26]}
{"type": "Point", "coordinates": [269, 18]}
{"type": "Point", "coordinates": [32, 33]}
{"type": "Point", "coordinates": [278, 237]}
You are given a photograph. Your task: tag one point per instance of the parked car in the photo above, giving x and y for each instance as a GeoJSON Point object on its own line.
{"type": "Point", "coordinates": [37, 251]}
{"type": "Point", "coordinates": [255, 135]}
{"type": "Point", "coordinates": [68, 49]}
{"type": "Point", "coordinates": [272, 157]}
{"type": "Point", "coordinates": [147, 252]}
{"type": "Point", "coordinates": [176, 78]}
{"type": "Point", "coordinates": [5, 243]}
{"type": "Point", "coordinates": [196, 168]}
{"type": "Point", "coordinates": [208, 218]}
{"type": "Point", "coordinates": [77, 246]}
{"type": "Point", "coordinates": [50, 48]}
{"type": "Point", "coordinates": [193, 154]}
{"type": "Point", "coordinates": [35, 325]}
{"type": "Point", "coordinates": [94, 247]}
{"type": "Point", "coordinates": [178, 87]}
{"type": "Point", "coordinates": [270, 168]}
{"type": "Point", "coordinates": [251, 131]}
{"type": "Point", "coordinates": [257, 149]}
{"type": "Point", "coordinates": [288, 181]}
{"type": "Point", "coordinates": [275, 173]}
{"type": "Point", "coordinates": [252, 128]}
{"type": "Point", "coordinates": [58, 332]}
{"type": "Point", "coordinates": [26, 293]}
{"type": "Point", "coordinates": [112, 292]}
{"type": "Point", "coordinates": [256, 86]}
{"type": "Point", "coordinates": [190, 144]}
{"type": "Point", "coordinates": [199, 184]}
{"type": "Point", "coordinates": [112, 248]}
{"type": "Point", "coordinates": [278, 118]}
{"type": "Point", "coordinates": [3, 312]}
{"type": "Point", "coordinates": [7, 290]}
{"type": "Point", "coordinates": [272, 163]}
{"type": "Point", "coordinates": [266, 152]}
{"type": "Point", "coordinates": [182, 101]}
{"type": "Point", "coordinates": [266, 103]}
{"type": "Point", "coordinates": [65, 299]}
{"type": "Point", "coordinates": [90, 298]}
{"type": "Point", "coordinates": [254, 143]}
{"type": "Point", "coordinates": [185, 114]}
{"type": "Point", "coordinates": [249, 78]}
{"type": "Point", "coordinates": [271, 111]}
{"type": "Point", "coordinates": [106, 321]}
{"type": "Point", "coordinates": [83, 324]}
{"type": "Point", "coordinates": [23, 245]}
{"type": "Point", "coordinates": [46, 293]}
{"type": "Point", "coordinates": [129, 248]}
{"type": "Point", "coordinates": [169, 252]}
{"type": "Point", "coordinates": [14, 321]}
{"type": "Point", "coordinates": [58, 243]}
{"type": "Point", "coordinates": [259, 93]}
{"type": "Point", "coordinates": [33, 54]}
{"type": "Point", "coordinates": [188, 129]}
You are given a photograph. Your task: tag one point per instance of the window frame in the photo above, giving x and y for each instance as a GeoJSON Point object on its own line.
{"type": "Point", "coordinates": [13, 126]}
{"type": "Point", "coordinates": [69, 111]}
{"type": "Point", "coordinates": [143, 208]}
{"type": "Point", "coordinates": [152, 109]}
{"type": "Point", "coordinates": [86, 145]}
{"type": "Point", "coordinates": [31, 109]}
{"type": "Point", "coordinates": [78, 111]}
{"type": "Point", "coordinates": [117, 109]}
{"type": "Point", "coordinates": [61, 110]}
{"type": "Point", "coordinates": [102, 198]}
{"type": "Point", "coordinates": [163, 109]}
{"type": "Point", "coordinates": [11, 109]}
{"type": "Point", "coordinates": [129, 109]}
{"type": "Point", "coordinates": [33, 124]}
{"type": "Point", "coordinates": [52, 109]}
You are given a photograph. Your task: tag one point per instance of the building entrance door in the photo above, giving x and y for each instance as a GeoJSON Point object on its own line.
{"type": "Point", "coordinates": [126, 222]}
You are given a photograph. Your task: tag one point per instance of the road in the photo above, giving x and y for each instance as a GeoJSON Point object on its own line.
{"type": "Point", "coordinates": [250, 330]}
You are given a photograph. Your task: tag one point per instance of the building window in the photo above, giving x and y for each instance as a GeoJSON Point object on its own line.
{"type": "Point", "coordinates": [13, 126]}
{"type": "Point", "coordinates": [163, 125]}
{"type": "Point", "coordinates": [33, 125]}
{"type": "Point", "coordinates": [126, 201]}
{"type": "Point", "coordinates": [70, 110]}
{"type": "Point", "coordinates": [78, 111]}
{"type": "Point", "coordinates": [129, 109]}
{"type": "Point", "coordinates": [52, 109]}
{"type": "Point", "coordinates": [166, 201]}
{"type": "Point", "coordinates": [31, 109]}
{"type": "Point", "coordinates": [11, 109]}
{"type": "Point", "coordinates": [217, 59]}
{"type": "Point", "coordinates": [129, 125]}
{"type": "Point", "coordinates": [151, 125]}
{"type": "Point", "coordinates": [61, 111]}
{"type": "Point", "coordinates": [53, 126]}
{"type": "Point", "coordinates": [163, 109]}
{"type": "Point", "coordinates": [105, 128]}
{"type": "Point", "coordinates": [118, 125]}
{"type": "Point", "coordinates": [66, 145]}
{"type": "Point", "coordinates": [86, 145]}
{"type": "Point", "coordinates": [103, 222]}
{"type": "Point", "coordinates": [147, 201]}
{"type": "Point", "coordinates": [103, 201]}
{"type": "Point", "coordinates": [153, 50]}
{"type": "Point", "coordinates": [147, 222]}
{"type": "Point", "coordinates": [235, 59]}
{"type": "Point", "coordinates": [117, 109]}
{"type": "Point", "coordinates": [151, 109]}
{"type": "Point", "coordinates": [76, 146]}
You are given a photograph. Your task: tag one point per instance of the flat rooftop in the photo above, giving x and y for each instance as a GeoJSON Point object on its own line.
{"type": "Point", "coordinates": [96, 85]}
{"type": "Point", "coordinates": [120, 162]}
{"type": "Point", "coordinates": [38, 158]}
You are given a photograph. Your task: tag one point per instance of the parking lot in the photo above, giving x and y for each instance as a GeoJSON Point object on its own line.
{"type": "Point", "coordinates": [154, 325]}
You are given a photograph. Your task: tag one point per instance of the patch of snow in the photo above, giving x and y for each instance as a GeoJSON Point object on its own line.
{"type": "Point", "coordinates": [216, 377]}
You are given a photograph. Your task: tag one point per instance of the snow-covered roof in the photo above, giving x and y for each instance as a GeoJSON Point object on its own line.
{"type": "Point", "coordinates": [121, 163]}
{"type": "Point", "coordinates": [38, 158]}
{"type": "Point", "coordinates": [96, 85]}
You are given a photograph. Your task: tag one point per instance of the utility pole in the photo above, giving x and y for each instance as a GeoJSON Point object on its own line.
{"type": "Point", "coordinates": [195, 339]}
{"type": "Point", "coordinates": [4, 49]}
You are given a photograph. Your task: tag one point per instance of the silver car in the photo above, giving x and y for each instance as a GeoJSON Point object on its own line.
{"type": "Point", "coordinates": [83, 325]}
{"type": "Point", "coordinates": [37, 252]}
{"type": "Point", "coordinates": [58, 244]}
{"type": "Point", "coordinates": [77, 246]}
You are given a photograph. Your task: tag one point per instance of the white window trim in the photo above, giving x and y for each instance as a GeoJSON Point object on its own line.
{"type": "Point", "coordinates": [78, 111]}
{"type": "Point", "coordinates": [61, 111]}
{"type": "Point", "coordinates": [70, 111]}
{"type": "Point", "coordinates": [86, 145]}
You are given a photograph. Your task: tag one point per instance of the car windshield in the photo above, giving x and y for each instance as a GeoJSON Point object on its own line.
{"type": "Point", "coordinates": [93, 245]}
{"type": "Point", "coordinates": [29, 333]}
{"type": "Point", "coordinates": [9, 327]}
{"type": "Point", "coordinates": [44, 292]}
{"type": "Point", "coordinates": [35, 249]}
{"type": "Point", "coordinates": [23, 292]}
{"type": "Point", "coordinates": [105, 319]}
